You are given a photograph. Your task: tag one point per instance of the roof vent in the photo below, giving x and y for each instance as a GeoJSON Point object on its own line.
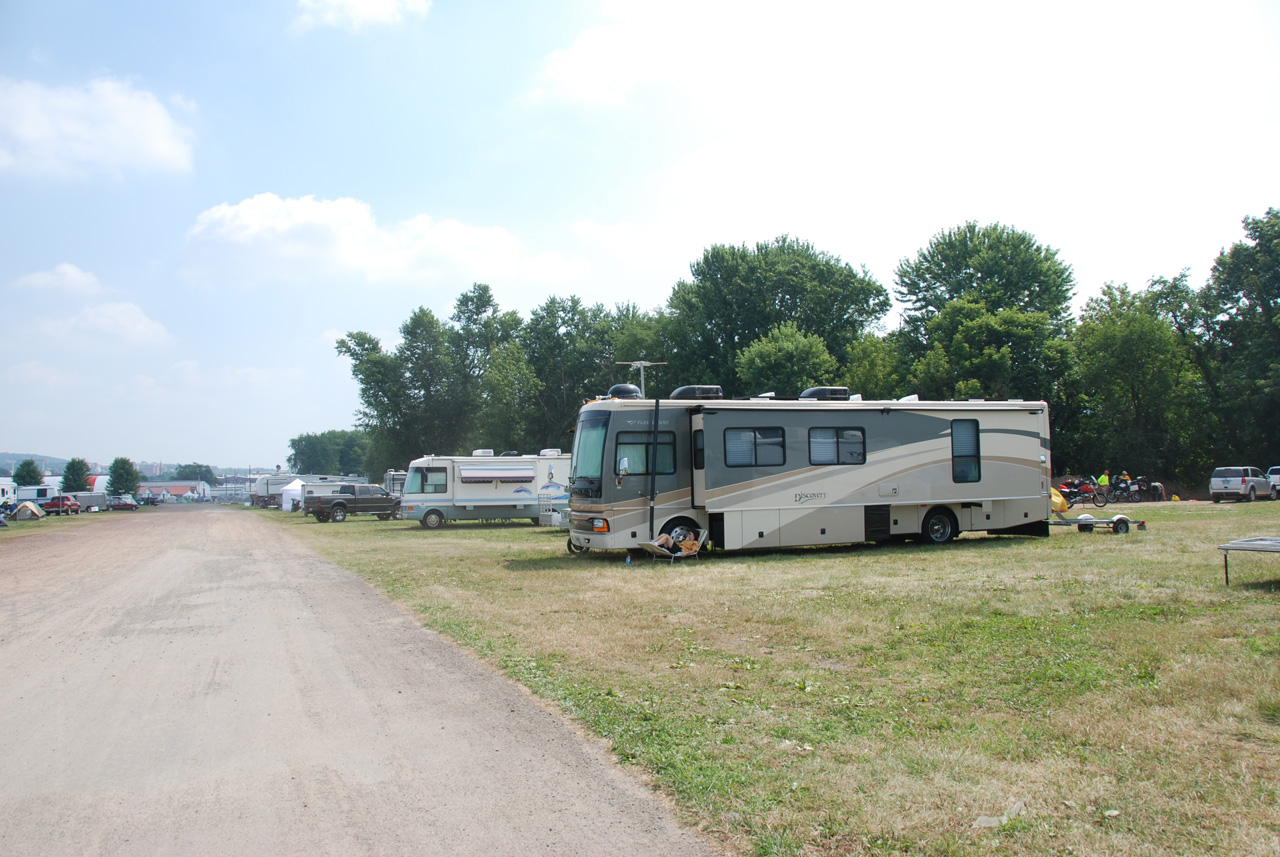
{"type": "Point", "coordinates": [482, 452]}
{"type": "Point", "coordinates": [833, 394]}
{"type": "Point", "coordinates": [697, 391]}
{"type": "Point", "coordinates": [624, 391]}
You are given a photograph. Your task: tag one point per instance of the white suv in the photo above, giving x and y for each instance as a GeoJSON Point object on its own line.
{"type": "Point", "coordinates": [1240, 483]}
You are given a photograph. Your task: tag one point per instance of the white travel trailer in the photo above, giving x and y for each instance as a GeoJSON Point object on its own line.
{"type": "Point", "coordinates": [482, 486]}
{"type": "Point", "coordinates": [266, 491]}
{"type": "Point", "coordinates": [822, 469]}
{"type": "Point", "coordinates": [37, 494]}
{"type": "Point", "coordinates": [393, 482]}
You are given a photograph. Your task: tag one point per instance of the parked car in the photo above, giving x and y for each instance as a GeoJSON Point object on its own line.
{"type": "Point", "coordinates": [122, 502]}
{"type": "Point", "coordinates": [1239, 483]}
{"type": "Point", "coordinates": [1273, 476]}
{"type": "Point", "coordinates": [62, 504]}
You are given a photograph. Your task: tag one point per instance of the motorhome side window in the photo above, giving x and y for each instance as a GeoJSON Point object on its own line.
{"type": "Point", "coordinates": [966, 460]}
{"type": "Point", "coordinates": [837, 446]}
{"type": "Point", "coordinates": [426, 480]}
{"type": "Point", "coordinates": [754, 447]}
{"type": "Point", "coordinates": [634, 448]}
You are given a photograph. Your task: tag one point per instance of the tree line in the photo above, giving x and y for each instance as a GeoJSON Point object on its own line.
{"type": "Point", "coordinates": [1165, 380]}
{"type": "Point", "coordinates": [123, 476]}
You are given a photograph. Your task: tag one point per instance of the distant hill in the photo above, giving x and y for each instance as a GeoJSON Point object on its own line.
{"type": "Point", "coordinates": [10, 460]}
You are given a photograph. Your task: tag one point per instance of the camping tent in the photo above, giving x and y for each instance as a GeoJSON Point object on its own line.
{"type": "Point", "coordinates": [28, 511]}
{"type": "Point", "coordinates": [290, 493]}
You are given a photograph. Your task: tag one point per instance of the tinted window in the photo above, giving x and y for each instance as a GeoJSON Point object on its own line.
{"type": "Point", "coordinates": [837, 446]}
{"type": "Point", "coordinates": [966, 457]}
{"type": "Point", "coordinates": [1227, 473]}
{"type": "Point", "coordinates": [754, 447]}
{"type": "Point", "coordinates": [426, 480]}
{"type": "Point", "coordinates": [635, 447]}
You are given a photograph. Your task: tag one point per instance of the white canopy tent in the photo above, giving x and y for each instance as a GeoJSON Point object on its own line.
{"type": "Point", "coordinates": [290, 493]}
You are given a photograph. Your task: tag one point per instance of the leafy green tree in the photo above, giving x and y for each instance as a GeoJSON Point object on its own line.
{"type": "Point", "coordinates": [75, 476]}
{"type": "Point", "coordinates": [353, 449]}
{"type": "Point", "coordinates": [410, 399]}
{"type": "Point", "coordinates": [877, 367]}
{"type": "Point", "coordinates": [123, 477]}
{"type": "Point", "coordinates": [635, 335]}
{"type": "Point", "coordinates": [739, 294]}
{"type": "Point", "coordinates": [785, 361]}
{"type": "Point", "coordinates": [27, 473]}
{"type": "Point", "coordinates": [570, 348]}
{"type": "Point", "coordinates": [1146, 407]}
{"type": "Point", "coordinates": [338, 451]}
{"type": "Point", "coordinates": [1238, 343]}
{"type": "Point", "coordinates": [974, 353]}
{"type": "Point", "coordinates": [478, 328]}
{"type": "Point", "coordinates": [193, 472]}
{"type": "Point", "coordinates": [509, 392]}
{"type": "Point", "coordinates": [998, 266]}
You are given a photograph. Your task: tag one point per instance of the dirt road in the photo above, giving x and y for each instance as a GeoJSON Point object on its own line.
{"type": "Point", "coordinates": [193, 681]}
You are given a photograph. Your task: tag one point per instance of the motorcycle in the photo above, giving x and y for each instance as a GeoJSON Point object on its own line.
{"type": "Point", "coordinates": [1082, 491]}
{"type": "Point", "coordinates": [1125, 491]}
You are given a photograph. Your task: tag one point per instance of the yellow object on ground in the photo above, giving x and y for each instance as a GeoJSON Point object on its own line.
{"type": "Point", "coordinates": [1059, 502]}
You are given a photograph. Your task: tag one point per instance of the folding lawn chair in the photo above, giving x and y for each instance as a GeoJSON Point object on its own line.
{"type": "Point", "coordinates": [688, 549]}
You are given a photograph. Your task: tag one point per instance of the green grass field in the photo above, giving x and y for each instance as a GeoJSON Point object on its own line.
{"type": "Point", "coordinates": [1086, 693]}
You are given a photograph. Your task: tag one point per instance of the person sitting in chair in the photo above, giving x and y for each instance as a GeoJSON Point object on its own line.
{"type": "Point", "coordinates": [688, 546]}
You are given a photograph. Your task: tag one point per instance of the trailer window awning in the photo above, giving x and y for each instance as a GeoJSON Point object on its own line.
{"type": "Point", "coordinates": [492, 473]}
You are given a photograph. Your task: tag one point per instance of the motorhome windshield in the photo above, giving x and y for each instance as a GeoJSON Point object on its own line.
{"type": "Point", "coordinates": [588, 446]}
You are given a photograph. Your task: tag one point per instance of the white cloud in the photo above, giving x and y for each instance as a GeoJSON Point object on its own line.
{"type": "Point", "coordinates": [106, 126]}
{"type": "Point", "coordinates": [40, 374]}
{"type": "Point", "coordinates": [64, 278]}
{"type": "Point", "coordinates": [354, 14]}
{"type": "Point", "coordinates": [867, 128]}
{"type": "Point", "coordinates": [636, 44]}
{"type": "Point", "coordinates": [306, 239]}
{"type": "Point", "coordinates": [117, 323]}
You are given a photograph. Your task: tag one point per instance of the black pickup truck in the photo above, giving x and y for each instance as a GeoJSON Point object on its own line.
{"type": "Point", "coordinates": [352, 500]}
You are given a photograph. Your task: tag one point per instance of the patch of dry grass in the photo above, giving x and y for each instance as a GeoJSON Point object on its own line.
{"type": "Point", "coordinates": [881, 699]}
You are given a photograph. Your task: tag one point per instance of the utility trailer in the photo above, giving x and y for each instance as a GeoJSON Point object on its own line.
{"type": "Point", "coordinates": [1119, 524]}
{"type": "Point", "coordinates": [825, 468]}
{"type": "Point", "coordinates": [91, 501]}
{"type": "Point", "coordinates": [482, 486]}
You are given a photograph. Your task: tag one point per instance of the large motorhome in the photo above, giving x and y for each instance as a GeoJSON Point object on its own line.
{"type": "Point", "coordinates": [482, 486]}
{"type": "Point", "coordinates": [826, 468]}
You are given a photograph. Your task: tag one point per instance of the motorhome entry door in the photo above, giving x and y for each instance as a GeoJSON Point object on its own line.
{"type": "Point", "coordinates": [697, 436]}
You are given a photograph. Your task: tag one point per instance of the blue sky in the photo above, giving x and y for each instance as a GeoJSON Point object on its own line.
{"type": "Point", "coordinates": [197, 199]}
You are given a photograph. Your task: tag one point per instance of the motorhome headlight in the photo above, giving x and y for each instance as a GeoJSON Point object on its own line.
{"type": "Point", "coordinates": [599, 525]}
